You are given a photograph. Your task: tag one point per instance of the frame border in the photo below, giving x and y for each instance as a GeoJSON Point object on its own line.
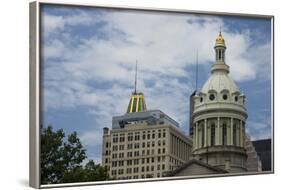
{"type": "Point", "coordinates": [34, 90]}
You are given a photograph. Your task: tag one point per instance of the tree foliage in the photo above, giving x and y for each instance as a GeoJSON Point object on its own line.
{"type": "Point", "coordinates": [61, 159]}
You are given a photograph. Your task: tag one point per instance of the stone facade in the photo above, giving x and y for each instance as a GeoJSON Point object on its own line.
{"type": "Point", "coordinates": [195, 167]}
{"type": "Point", "coordinates": [144, 149]}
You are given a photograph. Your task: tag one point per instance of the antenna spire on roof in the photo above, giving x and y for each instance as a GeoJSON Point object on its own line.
{"type": "Point", "coordinates": [196, 82]}
{"type": "Point", "coordinates": [136, 76]}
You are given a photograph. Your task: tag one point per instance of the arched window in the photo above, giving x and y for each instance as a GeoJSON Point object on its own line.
{"type": "Point", "coordinates": [234, 135]}
{"type": "Point", "coordinates": [219, 54]}
{"type": "Point", "coordinates": [224, 133]}
{"type": "Point", "coordinates": [213, 133]}
{"type": "Point", "coordinates": [202, 135]}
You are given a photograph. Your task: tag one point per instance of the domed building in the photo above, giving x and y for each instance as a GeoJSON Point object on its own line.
{"type": "Point", "coordinates": [219, 117]}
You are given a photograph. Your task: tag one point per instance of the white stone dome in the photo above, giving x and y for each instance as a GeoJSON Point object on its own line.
{"type": "Point", "coordinates": [219, 82]}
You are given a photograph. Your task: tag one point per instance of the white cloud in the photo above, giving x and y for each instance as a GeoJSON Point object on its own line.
{"type": "Point", "coordinates": [55, 23]}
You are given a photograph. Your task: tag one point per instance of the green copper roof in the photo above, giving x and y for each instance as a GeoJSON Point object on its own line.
{"type": "Point", "coordinates": [137, 103]}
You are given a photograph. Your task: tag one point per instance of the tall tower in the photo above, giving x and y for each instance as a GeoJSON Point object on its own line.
{"type": "Point", "coordinates": [219, 117]}
{"type": "Point", "coordinates": [137, 102]}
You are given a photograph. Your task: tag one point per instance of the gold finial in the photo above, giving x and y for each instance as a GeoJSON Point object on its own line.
{"type": "Point", "coordinates": [220, 39]}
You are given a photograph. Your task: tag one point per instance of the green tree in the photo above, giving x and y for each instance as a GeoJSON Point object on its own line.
{"type": "Point", "coordinates": [73, 152]}
{"type": "Point", "coordinates": [61, 160]}
{"type": "Point", "coordinates": [95, 172]}
{"type": "Point", "coordinates": [51, 155]}
{"type": "Point", "coordinates": [90, 172]}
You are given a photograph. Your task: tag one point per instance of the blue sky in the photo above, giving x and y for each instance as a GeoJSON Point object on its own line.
{"type": "Point", "coordinates": [89, 55]}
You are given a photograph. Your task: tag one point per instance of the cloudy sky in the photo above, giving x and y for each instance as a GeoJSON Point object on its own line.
{"type": "Point", "coordinates": [89, 55]}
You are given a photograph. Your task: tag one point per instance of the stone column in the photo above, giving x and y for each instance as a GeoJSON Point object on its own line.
{"type": "Point", "coordinates": [231, 131]}
{"type": "Point", "coordinates": [197, 136]}
{"type": "Point", "coordinates": [194, 138]}
{"type": "Point", "coordinates": [217, 136]}
{"type": "Point", "coordinates": [205, 132]}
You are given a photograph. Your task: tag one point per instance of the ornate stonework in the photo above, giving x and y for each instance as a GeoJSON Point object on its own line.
{"type": "Point", "coordinates": [219, 118]}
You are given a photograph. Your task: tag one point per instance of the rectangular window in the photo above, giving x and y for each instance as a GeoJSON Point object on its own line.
{"type": "Point", "coordinates": [136, 161]}
{"type": "Point", "coordinates": [114, 163]}
{"type": "Point", "coordinates": [159, 143]}
{"type": "Point", "coordinates": [129, 170]}
{"type": "Point", "coordinates": [122, 138]}
{"type": "Point", "coordinates": [159, 135]}
{"type": "Point", "coordinates": [129, 162]}
{"type": "Point", "coordinates": [121, 163]}
{"type": "Point", "coordinates": [136, 170]}
{"type": "Point", "coordinates": [129, 154]}
{"type": "Point", "coordinates": [121, 147]}
{"type": "Point", "coordinates": [121, 155]}
{"type": "Point", "coordinates": [143, 135]}
{"type": "Point", "coordinates": [115, 148]}
{"type": "Point", "coordinates": [120, 171]}
{"type": "Point", "coordinates": [136, 153]}
{"type": "Point", "coordinates": [137, 145]}
{"type": "Point", "coordinates": [115, 138]}
{"type": "Point", "coordinates": [114, 155]}
{"type": "Point", "coordinates": [130, 146]}
{"type": "Point", "coordinates": [113, 172]}
{"type": "Point", "coordinates": [137, 136]}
